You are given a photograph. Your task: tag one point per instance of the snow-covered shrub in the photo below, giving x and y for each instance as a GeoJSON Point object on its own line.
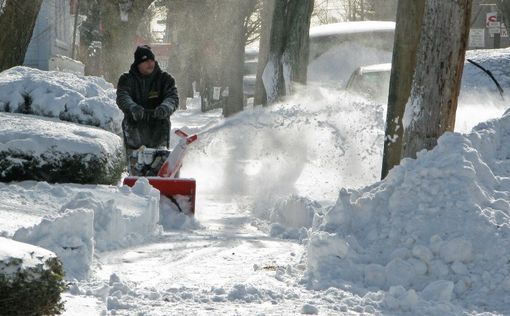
{"type": "Point", "coordinates": [81, 99]}
{"type": "Point", "coordinates": [43, 149]}
{"type": "Point", "coordinates": [31, 280]}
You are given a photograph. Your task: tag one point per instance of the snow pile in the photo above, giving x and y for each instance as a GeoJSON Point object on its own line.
{"type": "Point", "coordinates": [31, 256]}
{"type": "Point", "coordinates": [291, 216]}
{"type": "Point", "coordinates": [39, 136]}
{"type": "Point", "coordinates": [70, 97]}
{"type": "Point", "coordinates": [75, 220]}
{"type": "Point", "coordinates": [47, 149]}
{"type": "Point", "coordinates": [436, 229]}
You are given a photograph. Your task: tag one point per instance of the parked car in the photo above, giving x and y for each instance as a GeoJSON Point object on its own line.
{"type": "Point", "coordinates": [372, 81]}
{"type": "Point", "coordinates": [336, 50]}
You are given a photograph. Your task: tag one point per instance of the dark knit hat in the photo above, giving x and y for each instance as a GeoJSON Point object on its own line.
{"type": "Point", "coordinates": [143, 53]}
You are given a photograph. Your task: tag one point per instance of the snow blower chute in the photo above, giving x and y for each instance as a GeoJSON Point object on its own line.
{"type": "Point", "coordinates": [161, 167]}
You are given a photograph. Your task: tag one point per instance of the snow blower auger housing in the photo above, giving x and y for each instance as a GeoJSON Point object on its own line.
{"type": "Point", "coordinates": [161, 167]}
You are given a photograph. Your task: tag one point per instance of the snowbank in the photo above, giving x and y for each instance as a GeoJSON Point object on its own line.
{"type": "Point", "coordinates": [436, 229]}
{"type": "Point", "coordinates": [30, 256]}
{"type": "Point", "coordinates": [82, 99]}
{"type": "Point", "coordinates": [47, 149]}
{"type": "Point", "coordinates": [75, 220]}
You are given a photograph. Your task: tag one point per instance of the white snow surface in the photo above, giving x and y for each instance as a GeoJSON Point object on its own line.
{"type": "Point", "coordinates": [351, 27]}
{"type": "Point", "coordinates": [37, 135]}
{"type": "Point", "coordinates": [290, 219]}
{"type": "Point", "coordinates": [30, 255]}
{"type": "Point", "coordinates": [82, 99]}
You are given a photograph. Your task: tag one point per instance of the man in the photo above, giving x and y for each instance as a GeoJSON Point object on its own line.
{"type": "Point", "coordinates": [147, 96]}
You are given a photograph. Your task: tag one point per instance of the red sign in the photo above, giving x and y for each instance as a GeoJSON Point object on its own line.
{"type": "Point", "coordinates": [491, 17]}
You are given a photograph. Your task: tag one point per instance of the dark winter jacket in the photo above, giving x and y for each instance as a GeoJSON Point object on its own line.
{"type": "Point", "coordinates": [149, 92]}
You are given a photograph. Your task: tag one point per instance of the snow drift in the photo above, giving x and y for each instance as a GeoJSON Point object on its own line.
{"type": "Point", "coordinates": [81, 99]}
{"type": "Point", "coordinates": [438, 226]}
{"type": "Point", "coordinates": [74, 221]}
{"type": "Point", "coordinates": [45, 149]}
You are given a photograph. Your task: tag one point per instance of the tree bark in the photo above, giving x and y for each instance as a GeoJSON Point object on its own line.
{"type": "Point", "coordinates": [17, 24]}
{"type": "Point", "coordinates": [265, 35]}
{"type": "Point", "coordinates": [407, 35]}
{"type": "Point", "coordinates": [119, 36]}
{"type": "Point", "coordinates": [504, 6]}
{"type": "Point", "coordinates": [431, 108]}
{"type": "Point", "coordinates": [287, 56]}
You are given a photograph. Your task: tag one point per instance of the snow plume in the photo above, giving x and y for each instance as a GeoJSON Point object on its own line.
{"type": "Point", "coordinates": [436, 229]}
{"type": "Point", "coordinates": [292, 148]}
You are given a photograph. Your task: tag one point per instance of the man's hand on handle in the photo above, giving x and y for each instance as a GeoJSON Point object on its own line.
{"type": "Point", "coordinates": [162, 112]}
{"type": "Point", "coordinates": [137, 112]}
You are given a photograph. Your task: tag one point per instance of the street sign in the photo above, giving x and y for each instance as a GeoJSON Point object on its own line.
{"type": "Point", "coordinates": [477, 38]}
{"type": "Point", "coordinates": [491, 17]}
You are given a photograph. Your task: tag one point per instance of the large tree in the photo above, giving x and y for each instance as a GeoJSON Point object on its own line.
{"type": "Point", "coordinates": [119, 20]}
{"type": "Point", "coordinates": [283, 53]}
{"type": "Point", "coordinates": [504, 6]}
{"type": "Point", "coordinates": [407, 30]}
{"type": "Point", "coordinates": [432, 105]}
{"type": "Point", "coordinates": [17, 24]}
{"type": "Point", "coordinates": [208, 43]}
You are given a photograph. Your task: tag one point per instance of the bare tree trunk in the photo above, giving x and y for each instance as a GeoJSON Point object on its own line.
{"type": "Point", "coordinates": [233, 53]}
{"type": "Point", "coordinates": [431, 108]}
{"type": "Point", "coordinates": [504, 6]}
{"type": "Point", "coordinates": [184, 30]}
{"type": "Point", "coordinates": [407, 35]}
{"type": "Point", "coordinates": [288, 48]}
{"type": "Point", "coordinates": [265, 36]}
{"type": "Point", "coordinates": [17, 24]}
{"type": "Point", "coordinates": [119, 36]}
{"type": "Point", "coordinates": [208, 49]}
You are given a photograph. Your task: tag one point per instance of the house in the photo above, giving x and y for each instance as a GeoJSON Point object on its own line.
{"type": "Point", "coordinates": [51, 45]}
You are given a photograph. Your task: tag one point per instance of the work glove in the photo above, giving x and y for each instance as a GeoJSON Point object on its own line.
{"type": "Point", "coordinates": [137, 112]}
{"type": "Point", "coordinates": [162, 112]}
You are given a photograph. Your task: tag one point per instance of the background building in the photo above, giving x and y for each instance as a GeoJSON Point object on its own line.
{"type": "Point", "coordinates": [52, 40]}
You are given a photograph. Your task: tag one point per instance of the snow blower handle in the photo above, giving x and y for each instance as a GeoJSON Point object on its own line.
{"type": "Point", "coordinates": [189, 139]}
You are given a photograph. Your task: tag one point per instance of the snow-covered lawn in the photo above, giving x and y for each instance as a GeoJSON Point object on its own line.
{"type": "Point", "coordinates": [291, 219]}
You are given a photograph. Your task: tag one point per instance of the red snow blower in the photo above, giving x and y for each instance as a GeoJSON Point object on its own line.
{"type": "Point", "coordinates": [161, 167]}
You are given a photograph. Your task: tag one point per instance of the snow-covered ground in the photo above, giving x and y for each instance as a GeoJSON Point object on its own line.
{"type": "Point", "coordinates": [291, 219]}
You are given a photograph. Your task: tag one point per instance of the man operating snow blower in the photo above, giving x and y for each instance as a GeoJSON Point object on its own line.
{"type": "Point", "coordinates": [147, 96]}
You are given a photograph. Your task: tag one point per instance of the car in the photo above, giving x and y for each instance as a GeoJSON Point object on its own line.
{"type": "Point", "coordinates": [372, 81]}
{"type": "Point", "coordinates": [336, 50]}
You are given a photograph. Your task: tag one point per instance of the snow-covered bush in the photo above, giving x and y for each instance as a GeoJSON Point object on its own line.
{"type": "Point", "coordinates": [44, 149]}
{"type": "Point", "coordinates": [31, 280]}
{"type": "Point", "coordinates": [81, 99]}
